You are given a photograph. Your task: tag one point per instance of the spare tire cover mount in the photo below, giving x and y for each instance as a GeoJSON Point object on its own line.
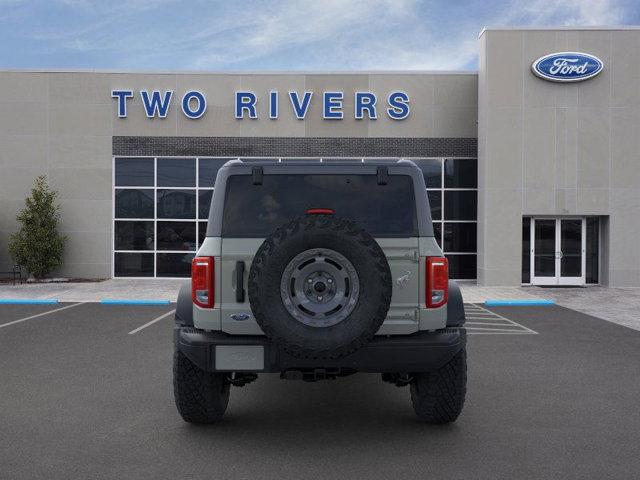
{"type": "Point", "coordinates": [319, 287]}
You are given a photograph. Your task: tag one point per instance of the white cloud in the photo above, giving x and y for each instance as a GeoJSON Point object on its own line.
{"type": "Point", "coordinates": [303, 34]}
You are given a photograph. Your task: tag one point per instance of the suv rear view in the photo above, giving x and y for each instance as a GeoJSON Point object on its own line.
{"type": "Point", "coordinates": [319, 270]}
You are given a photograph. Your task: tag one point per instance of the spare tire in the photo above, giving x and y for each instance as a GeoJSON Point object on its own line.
{"type": "Point", "coordinates": [320, 287]}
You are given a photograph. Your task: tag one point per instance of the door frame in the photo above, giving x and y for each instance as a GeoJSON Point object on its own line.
{"type": "Point", "coordinates": [558, 279]}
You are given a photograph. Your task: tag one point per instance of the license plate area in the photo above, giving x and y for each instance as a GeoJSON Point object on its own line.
{"type": "Point", "coordinates": [236, 358]}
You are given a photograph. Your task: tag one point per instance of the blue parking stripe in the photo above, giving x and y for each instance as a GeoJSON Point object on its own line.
{"type": "Point", "coordinates": [518, 303]}
{"type": "Point", "coordinates": [115, 301]}
{"type": "Point", "coordinates": [28, 301]}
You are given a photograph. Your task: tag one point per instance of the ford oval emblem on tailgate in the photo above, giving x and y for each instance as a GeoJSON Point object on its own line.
{"type": "Point", "coordinates": [567, 66]}
{"type": "Point", "coordinates": [240, 317]}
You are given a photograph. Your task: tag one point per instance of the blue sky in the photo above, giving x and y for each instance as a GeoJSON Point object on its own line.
{"type": "Point", "coordinates": [274, 35]}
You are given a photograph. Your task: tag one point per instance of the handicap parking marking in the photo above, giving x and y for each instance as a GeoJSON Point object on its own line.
{"type": "Point", "coordinates": [481, 321]}
{"type": "Point", "coordinates": [30, 317]}
{"type": "Point", "coordinates": [157, 319]}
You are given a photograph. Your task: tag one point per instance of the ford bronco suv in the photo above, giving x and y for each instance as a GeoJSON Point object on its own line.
{"type": "Point", "coordinates": [317, 270]}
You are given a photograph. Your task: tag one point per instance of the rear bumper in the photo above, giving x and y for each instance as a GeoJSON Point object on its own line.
{"type": "Point", "coordinates": [419, 352]}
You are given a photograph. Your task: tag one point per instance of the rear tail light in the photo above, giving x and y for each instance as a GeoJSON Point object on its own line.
{"type": "Point", "coordinates": [437, 280]}
{"type": "Point", "coordinates": [202, 282]}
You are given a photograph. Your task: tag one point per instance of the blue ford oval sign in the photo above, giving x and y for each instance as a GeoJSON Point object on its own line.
{"type": "Point", "coordinates": [567, 66]}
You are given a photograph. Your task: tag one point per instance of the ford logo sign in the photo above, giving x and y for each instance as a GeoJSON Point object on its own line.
{"type": "Point", "coordinates": [240, 317]}
{"type": "Point", "coordinates": [567, 66]}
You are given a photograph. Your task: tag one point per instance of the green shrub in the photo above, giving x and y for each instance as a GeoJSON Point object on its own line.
{"type": "Point", "coordinates": [37, 246]}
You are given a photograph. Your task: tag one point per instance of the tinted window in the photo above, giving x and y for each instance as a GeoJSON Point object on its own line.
{"type": "Point", "coordinates": [462, 267]}
{"type": "Point", "coordinates": [176, 235]}
{"type": "Point", "coordinates": [174, 264]}
{"type": "Point", "coordinates": [431, 171]}
{"type": "Point", "coordinates": [176, 172]}
{"type": "Point", "coordinates": [256, 210]}
{"type": "Point", "coordinates": [134, 172]}
{"type": "Point", "coordinates": [593, 237]}
{"type": "Point", "coordinates": [526, 250]}
{"type": "Point", "coordinates": [437, 232]}
{"type": "Point", "coordinates": [435, 203]}
{"type": "Point", "coordinates": [133, 264]}
{"type": "Point", "coordinates": [209, 170]}
{"type": "Point", "coordinates": [460, 237]}
{"type": "Point", "coordinates": [460, 173]}
{"type": "Point", "coordinates": [133, 236]}
{"type": "Point", "coordinates": [460, 205]}
{"type": "Point", "coordinates": [134, 203]}
{"type": "Point", "coordinates": [176, 204]}
{"type": "Point", "coordinates": [204, 202]}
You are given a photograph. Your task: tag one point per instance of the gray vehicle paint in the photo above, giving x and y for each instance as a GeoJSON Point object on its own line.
{"type": "Point", "coordinates": [406, 256]}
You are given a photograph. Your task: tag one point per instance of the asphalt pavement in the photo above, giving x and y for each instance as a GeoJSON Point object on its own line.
{"type": "Point", "coordinates": [85, 393]}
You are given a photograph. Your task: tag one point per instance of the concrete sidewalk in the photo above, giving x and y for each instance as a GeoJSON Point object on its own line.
{"type": "Point", "coordinates": [121, 289]}
{"type": "Point", "coordinates": [617, 305]}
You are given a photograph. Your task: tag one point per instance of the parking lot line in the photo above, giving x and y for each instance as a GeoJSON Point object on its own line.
{"type": "Point", "coordinates": [164, 315]}
{"type": "Point", "coordinates": [39, 315]}
{"type": "Point", "coordinates": [483, 321]}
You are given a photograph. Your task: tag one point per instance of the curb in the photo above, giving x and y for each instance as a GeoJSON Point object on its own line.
{"type": "Point", "coordinates": [28, 301]}
{"type": "Point", "coordinates": [518, 303]}
{"type": "Point", "coordinates": [116, 301]}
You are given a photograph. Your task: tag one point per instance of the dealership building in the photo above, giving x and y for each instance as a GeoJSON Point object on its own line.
{"type": "Point", "coordinates": [532, 163]}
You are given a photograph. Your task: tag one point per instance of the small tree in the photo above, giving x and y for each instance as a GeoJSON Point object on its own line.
{"type": "Point", "coordinates": [38, 246]}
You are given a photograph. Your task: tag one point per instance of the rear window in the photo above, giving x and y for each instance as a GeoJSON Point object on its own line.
{"type": "Point", "coordinates": [256, 210]}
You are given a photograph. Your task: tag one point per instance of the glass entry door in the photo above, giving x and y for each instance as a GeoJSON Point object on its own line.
{"type": "Point", "coordinates": [558, 251]}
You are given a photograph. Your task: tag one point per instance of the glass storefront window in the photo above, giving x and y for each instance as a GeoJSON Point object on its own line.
{"type": "Point", "coordinates": [134, 172]}
{"type": "Point", "coordinates": [431, 170]}
{"type": "Point", "coordinates": [208, 170]}
{"type": "Point", "coordinates": [169, 198]}
{"type": "Point", "coordinates": [593, 246]}
{"type": "Point", "coordinates": [453, 205]}
{"type": "Point", "coordinates": [176, 172]}
{"type": "Point", "coordinates": [133, 235]}
{"type": "Point", "coordinates": [134, 203]}
{"type": "Point", "coordinates": [460, 173]}
{"type": "Point", "coordinates": [176, 203]}
{"type": "Point", "coordinates": [462, 267]}
{"type": "Point", "coordinates": [526, 250]}
{"type": "Point", "coordinates": [133, 264]}
{"type": "Point", "coordinates": [460, 205]}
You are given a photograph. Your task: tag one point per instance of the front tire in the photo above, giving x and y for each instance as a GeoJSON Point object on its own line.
{"type": "Point", "coordinates": [201, 397]}
{"type": "Point", "coordinates": [438, 397]}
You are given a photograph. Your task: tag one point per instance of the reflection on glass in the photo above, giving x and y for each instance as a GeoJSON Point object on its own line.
{"type": "Point", "coordinates": [208, 170]}
{"type": "Point", "coordinates": [462, 267]}
{"type": "Point", "coordinates": [133, 236]}
{"type": "Point", "coordinates": [526, 250]}
{"type": "Point", "coordinates": [571, 248]}
{"type": "Point", "coordinates": [134, 172]}
{"type": "Point", "coordinates": [176, 172]}
{"type": "Point", "coordinates": [460, 237]}
{"type": "Point", "coordinates": [460, 173]}
{"type": "Point", "coordinates": [544, 262]}
{"type": "Point", "coordinates": [593, 240]}
{"type": "Point", "coordinates": [133, 264]}
{"type": "Point", "coordinates": [460, 205]}
{"type": "Point", "coordinates": [435, 204]}
{"type": "Point", "coordinates": [204, 202]}
{"type": "Point", "coordinates": [177, 204]}
{"type": "Point", "coordinates": [437, 232]}
{"type": "Point", "coordinates": [134, 203]}
{"type": "Point", "coordinates": [174, 264]}
{"type": "Point", "coordinates": [176, 235]}
{"type": "Point", "coordinates": [431, 171]}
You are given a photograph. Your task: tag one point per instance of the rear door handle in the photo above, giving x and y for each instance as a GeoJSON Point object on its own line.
{"type": "Point", "coordinates": [240, 282]}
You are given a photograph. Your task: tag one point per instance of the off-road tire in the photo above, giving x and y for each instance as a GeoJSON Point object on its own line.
{"type": "Point", "coordinates": [201, 397]}
{"type": "Point", "coordinates": [355, 244]}
{"type": "Point", "coordinates": [438, 397]}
